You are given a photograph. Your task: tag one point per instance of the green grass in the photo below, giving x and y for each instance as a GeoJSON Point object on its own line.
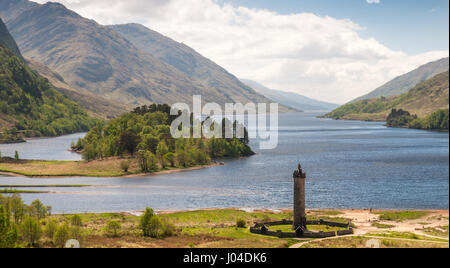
{"type": "Point", "coordinates": [8, 191]}
{"type": "Point", "coordinates": [402, 215]}
{"type": "Point", "coordinates": [382, 226]}
{"type": "Point", "coordinates": [314, 228]}
{"type": "Point", "coordinates": [407, 235]}
{"type": "Point", "coordinates": [442, 231]}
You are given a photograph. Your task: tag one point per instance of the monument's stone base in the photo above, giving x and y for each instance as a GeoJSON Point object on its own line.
{"type": "Point", "coordinates": [262, 229]}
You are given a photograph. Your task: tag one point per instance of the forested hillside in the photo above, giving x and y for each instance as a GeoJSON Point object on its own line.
{"type": "Point", "coordinates": [30, 105]}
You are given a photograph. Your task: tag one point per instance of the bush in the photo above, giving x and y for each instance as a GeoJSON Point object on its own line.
{"type": "Point", "coordinates": [112, 228]}
{"type": "Point", "coordinates": [168, 229]}
{"type": "Point", "coordinates": [51, 228]}
{"type": "Point", "coordinates": [31, 231]}
{"type": "Point", "coordinates": [61, 236]}
{"type": "Point", "coordinates": [76, 220]}
{"type": "Point", "coordinates": [241, 223]}
{"type": "Point", "coordinates": [76, 232]}
{"type": "Point", "coordinates": [16, 155]}
{"type": "Point", "coordinates": [125, 165]}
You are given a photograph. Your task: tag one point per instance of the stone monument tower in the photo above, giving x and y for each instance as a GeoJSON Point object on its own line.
{"type": "Point", "coordinates": [299, 200]}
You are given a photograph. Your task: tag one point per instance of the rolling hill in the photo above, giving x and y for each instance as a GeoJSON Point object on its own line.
{"type": "Point", "coordinates": [423, 100]}
{"type": "Point", "coordinates": [289, 99]}
{"type": "Point", "coordinates": [407, 81]}
{"type": "Point", "coordinates": [97, 58]}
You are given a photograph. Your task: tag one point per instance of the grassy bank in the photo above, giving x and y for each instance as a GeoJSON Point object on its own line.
{"type": "Point", "coordinates": [98, 168]}
{"type": "Point", "coordinates": [216, 228]}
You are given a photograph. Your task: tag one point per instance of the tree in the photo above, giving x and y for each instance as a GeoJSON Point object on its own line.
{"type": "Point", "coordinates": [170, 158]}
{"type": "Point", "coordinates": [16, 155]}
{"type": "Point", "coordinates": [61, 236]}
{"type": "Point", "coordinates": [8, 231]}
{"type": "Point", "coordinates": [31, 231]}
{"type": "Point", "coordinates": [50, 229]}
{"type": "Point", "coordinates": [161, 151]}
{"type": "Point", "coordinates": [17, 208]}
{"type": "Point", "coordinates": [149, 143]}
{"type": "Point", "coordinates": [144, 222]}
{"type": "Point", "coordinates": [38, 209]}
{"type": "Point", "coordinates": [112, 228]}
{"type": "Point", "coordinates": [128, 141]}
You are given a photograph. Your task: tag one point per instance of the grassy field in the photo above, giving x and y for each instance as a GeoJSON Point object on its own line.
{"type": "Point", "coordinates": [402, 215]}
{"type": "Point", "coordinates": [216, 228]}
{"type": "Point", "coordinates": [98, 168]}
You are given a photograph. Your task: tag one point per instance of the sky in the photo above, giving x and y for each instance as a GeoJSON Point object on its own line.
{"type": "Point", "coordinates": [331, 50]}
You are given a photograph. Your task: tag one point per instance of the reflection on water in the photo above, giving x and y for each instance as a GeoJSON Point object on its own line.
{"type": "Point", "coordinates": [350, 164]}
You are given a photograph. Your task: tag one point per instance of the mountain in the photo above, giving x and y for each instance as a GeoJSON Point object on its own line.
{"type": "Point", "coordinates": [423, 100]}
{"type": "Point", "coordinates": [7, 40]}
{"type": "Point", "coordinates": [30, 104]}
{"type": "Point", "coordinates": [292, 100]}
{"type": "Point", "coordinates": [407, 81]}
{"type": "Point", "coordinates": [99, 59]}
{"type": "Point", "coordinates": [186, 60]}
{"type": "Point", "coordinates": [96, 106]}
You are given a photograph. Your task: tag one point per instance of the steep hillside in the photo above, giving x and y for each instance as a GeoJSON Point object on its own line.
{"type": "Point", "coordinates": [185, 60]}
{"type": "Point", "coordinates": [30, 105]}
{"type": "Point", "coordinates": [423, 100]}
{"type": "Point", "coordinates": [291, 100]}
{"type": "Point", "coordinates": [7, 40]}
{"type": "Point", "coordinates": [97, 58]}
{"type": "Point", "coordinates": [407, 81]}
{"type": "Point", "coordinates": [96, 106]}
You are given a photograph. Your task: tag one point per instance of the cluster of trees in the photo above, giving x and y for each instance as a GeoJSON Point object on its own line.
{"type": "Point", "coordinates": [399, 118]}
{"type": "Point", "coordinates": [436, 121]}
{"type": "Point", "coordinates": [439, 120]}
{"type": "Point", "coordinates": [145, 135]}
{"type": "Point", "coordinates": [23, 225]}
{"type": "Point", "coordinates": [32, 103]}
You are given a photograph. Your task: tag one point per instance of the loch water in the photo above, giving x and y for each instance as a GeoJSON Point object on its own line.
{"type": "Point", "coordinates": [349, 165]}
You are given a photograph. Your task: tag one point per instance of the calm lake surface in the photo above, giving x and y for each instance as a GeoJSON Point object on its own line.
{"type": "Point", "coordinates": [350, 164]}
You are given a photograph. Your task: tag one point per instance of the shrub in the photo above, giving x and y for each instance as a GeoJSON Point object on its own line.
{"type": "Point", "coordinates": [61, 236]}
{"type": "Point", "coordinates": [16, 155]}
{"type": "Point", "coordinates": [112, 228]}
{"type": "Point", "coordinates": [125, 165]}
{"type": "Point", "coordinates": [168, 229]}
{"type": "Point", "coordinates": [31, 231]}
{"type": "Point", "coordinates": [51, 228]}
{"type": "Point", "coordinates": [241, 223]}
{"type": "Point", "coordinates": [76, 232]}
{"type": "Point", "coordinates": [76, 220]}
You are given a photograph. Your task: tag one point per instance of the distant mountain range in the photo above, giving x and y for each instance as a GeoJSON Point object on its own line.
{"type": "Point", "coordinates": [407, 81]}
{"type": "Point", "coordinates": [422, 100]}
{"type": "Point", "coordinates": [128, 64]}
{"type": "Point", "coordinates": [291, 100]}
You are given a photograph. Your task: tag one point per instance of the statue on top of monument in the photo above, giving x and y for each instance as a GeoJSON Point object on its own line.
{"type": "Point", "coordinates": [299, 172]}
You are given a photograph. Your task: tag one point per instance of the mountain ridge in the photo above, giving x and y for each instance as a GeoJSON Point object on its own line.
{"type": "Point", "coordinates": [422, 100]}
{"type": "Point", "coordinates": [405, 82]}
{"type": "Point", "coordinates": [97, 58]}
{"type": "Point", "coordinates": [290, 99]}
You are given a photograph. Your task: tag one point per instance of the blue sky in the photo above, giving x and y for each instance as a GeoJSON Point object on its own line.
{"type": "Point", "coordinates": [413, 26]}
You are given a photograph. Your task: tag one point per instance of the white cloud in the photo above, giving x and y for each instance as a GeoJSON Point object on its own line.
{"type": "Point", "coordinates": [320, 57]}
{"type": "Point", "coordinates": [373, 1]}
